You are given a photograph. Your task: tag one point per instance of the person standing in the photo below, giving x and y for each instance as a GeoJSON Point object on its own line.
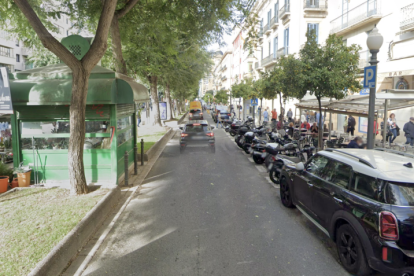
{"type": "Point", "coordinates": [351, 125]}
{"type": "Point", "coordinates": [265, 116]}
{"type": "Point", "coordinates": [274, 114]}
{"type": "Point", "coordinates": [346, 124]}
{"type": "Point", "coordinates": [312, 118]}
{"type": "Point", "coordinates": [409, 132]}
{"type": "Point", "coordinates": [290, 115]}
{"type": "Point", "coordinates": [392, 123]}
{"type": "Point", "coordinates": [218, 118]}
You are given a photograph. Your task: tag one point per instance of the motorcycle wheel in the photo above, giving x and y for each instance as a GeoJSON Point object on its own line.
{"type": "Point", "coordinates": [274, 176]}
{"type": "Point", "coordinates": [232, 133]}
{"type": "Point", "coordinates": [267, 161]}
{"type": "Point", "coordinates": [257, 159]}
{"type": "Point", "coordinates": [246, 149]}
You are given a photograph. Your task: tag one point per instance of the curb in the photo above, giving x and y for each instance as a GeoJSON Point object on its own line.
{"type": "Point", "coordinates": [150, 153]}
{"type": "Point", "coordinates": [182, 118]}
{"type": "Point", "coordinates": [68, 247]}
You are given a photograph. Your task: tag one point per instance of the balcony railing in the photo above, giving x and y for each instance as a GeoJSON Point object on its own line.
{"type": "Point", "coordinates": [366, 12]}
{"type": "Point", "coordinates": [268, 60]}
{"type": "Point", "coordinates": [284, 11]}
{"type": "Point", "coordinates": [282, 52]}
{"type": "Point", "coordinates": [274, 22]}
{"type": "Point", "coordinates": [266, 28]}
{"type": "Point", "coordinates": [364, 57]}
{"type": "Point", "coordinates": [315, 5]}
{"type": "Point", "coordinates": [407, 17]}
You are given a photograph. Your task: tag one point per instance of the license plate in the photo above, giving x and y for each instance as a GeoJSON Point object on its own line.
{"type": "Point", "coordinates": [263, 154]}
{"type": "Point", "coordinates": [270, 166]}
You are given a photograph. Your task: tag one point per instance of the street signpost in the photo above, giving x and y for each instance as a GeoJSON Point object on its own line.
{"type": "Point", "coordinates": [370, 76]}
{"type": "Point", "coordinates": [370, 81]}
{"type": "Point", "coordinates": [254, 103]}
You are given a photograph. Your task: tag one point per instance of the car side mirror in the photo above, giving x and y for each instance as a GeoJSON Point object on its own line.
{"type": "Point", "coordinates": [212, 127]}
{"type": "Point", "coordinates": [300, 167]}
{"type": "Point", "coordinates": [181, 128]}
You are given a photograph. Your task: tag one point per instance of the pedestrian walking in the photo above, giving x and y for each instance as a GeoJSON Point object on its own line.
{"type": "Point", "coordinates": [274, 115]}
{"type": "Point", "coordinates": [290, 115]}
{"type": "Point", "coordinates": [392, 123]}
{"type": "Point", "coordinates": [351, 125]}
{"type": "Point", "coordinates": [265, 116]}
{"type": "Point", "coordinates": [218, 119]}
{"type": "Point", "coordinates": [409, 132]}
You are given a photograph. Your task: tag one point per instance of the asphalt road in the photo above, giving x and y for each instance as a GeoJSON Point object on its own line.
{"type": "Point", "coordinates": [200, 213]}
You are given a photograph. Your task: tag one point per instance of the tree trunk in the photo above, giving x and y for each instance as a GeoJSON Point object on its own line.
{"type": "Point", "coordinates": [120, 64]}
{"type": "Point", "coordinates": [168, 99]}
{"type": "Point", "coordinates": [281, 107]}
{"type": "Point", "coordinates": [77, 131]}
{"type": "Point", "coordinates": [154, 94]}
{"type": "Point", "coordinates": [320, 130]}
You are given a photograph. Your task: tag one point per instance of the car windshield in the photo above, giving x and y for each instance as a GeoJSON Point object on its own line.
{"type": "Point", "coordinates": [196, 128]}
{"type": "Point", "coordinates": [401, 194]}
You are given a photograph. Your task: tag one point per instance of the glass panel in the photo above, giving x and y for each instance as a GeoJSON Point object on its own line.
{"type": "Point", "coordinates": [316, 165]}
{"type": "Point", "coordinates": [63, 143]}
{"type": "Point", "coordinates": [400, 194]}
{"type": "Point", "coordinates": [365, 185]}
{"type": "Point", "coordinates": [336, 173]}
{"type": "Point", "coordinates": [123, 137]}
{"type": "Point", "coordinates": [56, 127]}
{"type": "Point", "coordinates": [124, 122]}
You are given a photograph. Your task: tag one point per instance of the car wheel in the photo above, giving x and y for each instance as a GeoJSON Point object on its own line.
{"type": "Point", "coordinates": [285, 194]}
{"type": "Point", "coordinates": [350, 251]}
{"type": "Point", "coordinates": [257, 159]}
{"type": "Point", "coordinates": [274, 176]}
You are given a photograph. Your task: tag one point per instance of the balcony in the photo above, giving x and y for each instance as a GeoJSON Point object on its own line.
{"type": "Point", "coordinates": [315, 9]}
{"type": "Point", "coordinates": [364, 57]}
{"type": "Point", "coordinates": [407, 18]}
{"type": "Point", "coordinates": [267, 29]}
{"type": "Point", "coordinates": [284, 13]}
{"type": "Point", "coordinates": [366, 13]}
{"type": "Point", "coordinates": [269, 60]}
{"type": "Point", "coordinates": [282, 52]}
{"type": "Point", "coordinates": [274, 23]}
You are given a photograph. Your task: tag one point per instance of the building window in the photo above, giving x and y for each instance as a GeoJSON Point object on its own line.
{"type": "Point", "coordinates": [275, 47]}
{"type": "Point", "coordinates": [314, 26]}
{"type": "Point", "coordinates": [277, 11]}
{"type": "Point", "coordinates": [5, 52]}
{"type": "Point", "coordinates": [286, 42]}
{"type": "Point", "coordinates": [17, 43]}
{"type": "Point", "coordinates": [270, 46]}
{"type": "Point", "coordinates": [269, 17]}
{"type": "Point", "coordinates": [17, 58]}
{"type": "Point", "coordinates": [10, 68]}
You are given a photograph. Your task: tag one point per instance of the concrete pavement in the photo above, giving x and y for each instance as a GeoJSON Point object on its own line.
{"type": "Point", "coordinates": [199, 213]}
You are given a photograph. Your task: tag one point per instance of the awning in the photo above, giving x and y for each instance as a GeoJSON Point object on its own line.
{"type": "Point", "coordinates": [52, 85]}
{"type": "Point", "coordinates": [357, 105]}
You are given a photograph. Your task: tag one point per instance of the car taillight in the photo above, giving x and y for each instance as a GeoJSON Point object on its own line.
{"type": "Point", "coordinates": [201, 113]}
{"type": "Point", "coordinates": [274, 159]}
{"type": "Point", "coordinates": [233, 124]}
{"type": "Point", "coordinates": [211, 134]}
{"type": "Point", "coordinates": [388, 226]}
{"type": "Point", "coordinates": [184, 134]}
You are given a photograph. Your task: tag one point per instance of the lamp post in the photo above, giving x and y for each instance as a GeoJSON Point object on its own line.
{"type": "Point", "coordinates": [374, 43]}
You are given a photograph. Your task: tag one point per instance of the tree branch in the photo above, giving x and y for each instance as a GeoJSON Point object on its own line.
{"type": "Point", "coordinates": [45, 37]}
{"type": "Point", "coordinates": [121, 12]}
{"type": "Point", "coordinates": [99, 43]}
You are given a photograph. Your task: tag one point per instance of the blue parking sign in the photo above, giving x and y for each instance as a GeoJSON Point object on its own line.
{"type": "Point", "coordinates": [370, 73]}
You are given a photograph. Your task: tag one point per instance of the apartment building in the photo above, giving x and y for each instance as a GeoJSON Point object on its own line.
{"type": "Point", "coordinates": [14, 54]}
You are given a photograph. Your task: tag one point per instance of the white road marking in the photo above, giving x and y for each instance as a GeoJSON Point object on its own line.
{"type": "Point", "coordinates": [250, 159]}
{"type": "Point", "coordinates": [260, 168]}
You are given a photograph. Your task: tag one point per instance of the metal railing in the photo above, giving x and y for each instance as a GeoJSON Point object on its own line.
{"type": "Point", "coordinates": [266, 28]}
{"type": "Point", "coordinates": [267, 60]}
{"type": "Point", "coordinates": [282, 52]}
{"type": "Point", "coordinates": [356, 15]}
{"type": "Point", "coordinates": [364, 57]}
{"type": "Point", "coordinates": [407, 17]}
{"type": "Point", "coordinates": [313, 4]}
{"type": "Point", "coordinates": [274, 21]}
{"type": "Point", "coordinates": [283, 10]}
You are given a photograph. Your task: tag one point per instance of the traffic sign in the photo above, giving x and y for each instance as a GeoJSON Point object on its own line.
{"type": "Point", "coordinates": [370, 78]}
{"type": "Point", "coordinates": [254, 102]}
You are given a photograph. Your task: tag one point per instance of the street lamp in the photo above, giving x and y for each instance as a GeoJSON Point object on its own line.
{"type": "Point", "coordinates": [374, 43]}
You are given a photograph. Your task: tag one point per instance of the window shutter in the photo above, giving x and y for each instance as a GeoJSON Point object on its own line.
{"type": "Point", "coordinates": [317, 32]}
{"type": "Point", "coordinates": [308, 4]}
{"type": "Point", "coordinates": [287, 41]}
{"type": "Point", "coordinates": [275, 48]}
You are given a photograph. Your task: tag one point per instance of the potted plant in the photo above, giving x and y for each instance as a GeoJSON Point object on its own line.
{"type": "Point", "coordinates": [6, 174]}
{"type": "Point", "coordinates": [23, 176]}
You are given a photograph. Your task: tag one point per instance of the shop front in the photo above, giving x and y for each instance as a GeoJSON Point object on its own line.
{"type": "Point", "coordinates": [41, 127]}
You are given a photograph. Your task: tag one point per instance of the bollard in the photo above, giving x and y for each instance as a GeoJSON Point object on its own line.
{"type": "Point", "coordinates": [142, 152]}
{"type": "Point", "coordinates": [126, 168]}
{"type": "Point", "coordinates": [135, 159]}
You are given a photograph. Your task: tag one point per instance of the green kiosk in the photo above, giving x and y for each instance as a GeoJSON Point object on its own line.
{"type": "Point", "coordinates": [40, 123]}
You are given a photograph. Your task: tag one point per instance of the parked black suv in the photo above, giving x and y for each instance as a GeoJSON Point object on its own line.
{"type": "Point", "coordinates": [364, 201]}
